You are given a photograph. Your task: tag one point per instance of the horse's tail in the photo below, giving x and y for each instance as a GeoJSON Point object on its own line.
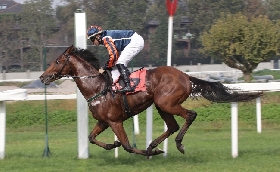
{"type": "Point", "coordinates": [217, 92]}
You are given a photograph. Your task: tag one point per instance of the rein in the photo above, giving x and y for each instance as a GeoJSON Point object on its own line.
{"type": "Point", "coordinates": [91, 76]}
{"type": "Point", "coordinates": [94, 76]}
{"type": "Point", "coordinates": [103, 92]}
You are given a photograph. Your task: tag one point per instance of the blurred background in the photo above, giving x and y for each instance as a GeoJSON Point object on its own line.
{"type": "Point", "coordinates": [33, 29]}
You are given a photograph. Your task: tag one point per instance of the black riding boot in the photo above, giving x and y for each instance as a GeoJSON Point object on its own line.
{"type": "Point", "coordinates": [125, 74]}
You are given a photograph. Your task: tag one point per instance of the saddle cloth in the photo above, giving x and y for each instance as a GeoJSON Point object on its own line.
{"type": "Point", "coordinates": [137, 80]}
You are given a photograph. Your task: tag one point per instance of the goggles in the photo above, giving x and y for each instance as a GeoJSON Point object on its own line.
{"type": "Point", "coordinates": [92, 38]}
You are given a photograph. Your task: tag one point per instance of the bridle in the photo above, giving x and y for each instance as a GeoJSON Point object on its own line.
{"type": "Point", "coordinates": [67, 60]}
{"type": "Point", "coordinates": [74, 77]}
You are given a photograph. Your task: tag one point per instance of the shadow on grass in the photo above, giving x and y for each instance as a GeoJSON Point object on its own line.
{"type": "Point", "coordinates": [134, 159]}
{"type": "Point", "coordinates": [260, 152]}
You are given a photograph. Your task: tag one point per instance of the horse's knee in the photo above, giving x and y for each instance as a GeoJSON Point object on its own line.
{"type": "Point", "coordinates": [191, 116]}
{"type": "Point", "coordinates": [173, 129]}
{"type": "Point", "coordinates": [176, 128]}
{"type": "Point", "coordinates": [91, 139]}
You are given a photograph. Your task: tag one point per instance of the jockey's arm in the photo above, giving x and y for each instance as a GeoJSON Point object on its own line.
{"type": "Point", "coordinates": [112, 51]}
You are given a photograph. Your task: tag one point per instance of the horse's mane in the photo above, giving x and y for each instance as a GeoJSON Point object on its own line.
{"type": "Point", "coordinates": [87, 56]}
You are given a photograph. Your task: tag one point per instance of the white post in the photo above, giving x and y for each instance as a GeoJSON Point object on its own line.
{"type": "Point", "coordinates": [170, 31]}
{"type": "Point", "coordinates": [234, 129]}
{"type": "Point", "coordinates": [149, 125]}
{"type": "Point", "coordinates": [259, 115]}
{"type": "Point", "coordinates": [82, 107]}
{"type": "Point", "coordinates": [165, 142]}
{"type": "Point", "coordinates": [116, 149]}
{"type": "Point", "coordinates": [2, 129]}
{"type": "Point", "coordinates": [136, 125]}
{"type": "Point", "coordinates": [169, 50]}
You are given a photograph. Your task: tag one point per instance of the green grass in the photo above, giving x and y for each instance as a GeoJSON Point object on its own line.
{"type": "Point", "coordinates": [274, 73]}
{"type": "Point", "coordinates": [207, 148]}
{"type": "Point", "coordinates": [207, 142]}
{"type": "Point", "coordinates": [63, 112]}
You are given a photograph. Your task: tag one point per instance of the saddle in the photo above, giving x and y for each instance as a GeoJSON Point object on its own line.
{"type": "Point", "coordinates": [137, 81]}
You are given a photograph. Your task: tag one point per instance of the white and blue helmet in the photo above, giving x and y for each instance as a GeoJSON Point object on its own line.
{"type": "Point", "coordinates": [93, 31]}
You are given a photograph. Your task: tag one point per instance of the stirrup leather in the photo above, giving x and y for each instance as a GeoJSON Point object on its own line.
{"type": "Point", "coordinates": [125, 75]}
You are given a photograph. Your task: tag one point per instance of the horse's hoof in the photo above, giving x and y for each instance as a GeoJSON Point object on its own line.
{"type": "Point", "coordinates": [181, 148]}
{"type": "Point", "coordinates": [149, 151]}
{"type": "Point", "coordinates": [158, 151]}
{"type": "Point", "coordinates": [117, 143]}
{"type": "Point", "coordinates": [90, 140]}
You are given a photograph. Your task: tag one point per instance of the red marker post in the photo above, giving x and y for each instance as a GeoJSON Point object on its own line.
{"type": "Point", "coordinates": [171, 6]}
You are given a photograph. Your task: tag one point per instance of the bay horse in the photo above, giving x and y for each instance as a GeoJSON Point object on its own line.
{"type": "Point", "coordinates": [166, 87]}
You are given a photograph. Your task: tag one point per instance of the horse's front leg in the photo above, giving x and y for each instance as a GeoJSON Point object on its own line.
{"type": "Point", "coordinates": [99, 128]}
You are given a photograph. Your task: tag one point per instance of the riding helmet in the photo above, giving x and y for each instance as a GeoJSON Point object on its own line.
{"type": "Point", "coordinates": [93, 31]}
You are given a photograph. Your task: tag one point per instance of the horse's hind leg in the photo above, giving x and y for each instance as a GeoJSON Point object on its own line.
{"type": "Point", "coordinates": [99, 128]}
{"type": "Point", "coordinates": [118, 129]}
{"type": "Point", "coordinates": [190, 117]}
{"type": "Point", "coordinates": [172, 127]}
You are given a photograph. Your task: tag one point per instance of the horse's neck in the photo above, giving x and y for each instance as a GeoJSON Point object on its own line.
{"type": "Point", "coordinates": [88, 84]}
{"type": "Point", "coordinates": [83, 70]}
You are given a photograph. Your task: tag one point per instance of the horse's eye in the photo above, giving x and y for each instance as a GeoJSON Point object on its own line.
{"type": "Point", "coordinates": [57, 61]}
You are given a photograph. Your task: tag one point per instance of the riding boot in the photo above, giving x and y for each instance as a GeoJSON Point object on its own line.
{"type": "Point", "coordinates": [125, 75]}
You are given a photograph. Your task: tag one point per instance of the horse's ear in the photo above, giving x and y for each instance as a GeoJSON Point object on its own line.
{"type": "Point", "coordinates": [69, 49]}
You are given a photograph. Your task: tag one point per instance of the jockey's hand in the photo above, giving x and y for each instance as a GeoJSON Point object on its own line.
{"type": "Point", "coordinates": [101, 70]}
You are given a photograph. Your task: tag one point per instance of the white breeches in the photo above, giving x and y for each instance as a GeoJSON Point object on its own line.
{"type": "Point", "coordinates": [131, 50]}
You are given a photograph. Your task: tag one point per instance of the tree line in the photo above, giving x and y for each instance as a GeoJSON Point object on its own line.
{"type": "Point", "coordinates": [26, 35]}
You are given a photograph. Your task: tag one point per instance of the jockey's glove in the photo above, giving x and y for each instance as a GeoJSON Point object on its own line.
{"type": "Point", "coordinates": [101, 70]}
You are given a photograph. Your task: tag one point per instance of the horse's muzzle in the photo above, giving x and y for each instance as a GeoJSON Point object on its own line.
{"type": "Point", "coordinates": [47, 79]}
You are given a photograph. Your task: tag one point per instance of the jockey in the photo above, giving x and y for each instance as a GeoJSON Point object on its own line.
{"type": "Point", "coordinates": [122, 46]}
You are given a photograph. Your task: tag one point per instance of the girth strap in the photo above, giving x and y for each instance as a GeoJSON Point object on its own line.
{"type": "Point", "coordinates": [108, 81]}
{"type": "Point", "coordinates": [126, 106]}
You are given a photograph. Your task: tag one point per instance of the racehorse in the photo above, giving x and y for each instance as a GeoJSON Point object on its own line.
{"type": "Point", "coordinates": [166, 87]}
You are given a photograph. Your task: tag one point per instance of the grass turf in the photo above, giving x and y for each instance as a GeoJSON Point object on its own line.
{"type": "Point", "coordinates": [207, 148]}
